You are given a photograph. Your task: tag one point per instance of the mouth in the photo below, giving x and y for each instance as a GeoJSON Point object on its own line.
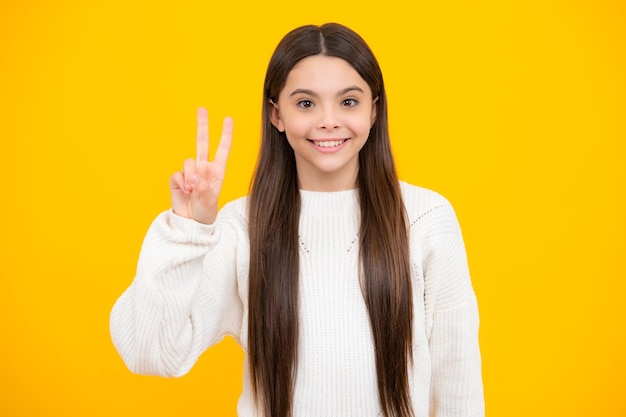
{"type": "Point", "coordinates": [328, 144]}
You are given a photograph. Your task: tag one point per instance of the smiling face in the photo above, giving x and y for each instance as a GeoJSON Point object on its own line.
{"type": "Point", "coordinates": [326, 111]}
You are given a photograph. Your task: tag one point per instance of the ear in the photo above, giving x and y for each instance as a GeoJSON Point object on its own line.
{"type": "Point", "coordinates": [374, 111]}
{"type": "Point", "coordinates": [275, 117]}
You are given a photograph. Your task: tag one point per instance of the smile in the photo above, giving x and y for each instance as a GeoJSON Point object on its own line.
{"type": "Point", "coordinates": [328, 143]}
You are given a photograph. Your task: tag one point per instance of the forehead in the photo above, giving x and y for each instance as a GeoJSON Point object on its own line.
{"type": "Point", "coordinates": [322, 73]}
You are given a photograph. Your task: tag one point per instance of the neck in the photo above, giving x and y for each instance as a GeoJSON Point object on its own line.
{"type": "Point", "coordinates": [327, 182]}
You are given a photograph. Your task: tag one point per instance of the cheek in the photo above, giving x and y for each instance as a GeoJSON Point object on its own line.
{"type": "Point", "coordinates": [295, 134]}
{"type": "Point", "coordinates": [291, 139]}
{"type": "Point", "coordinates": [296, 128]}
{"type": "Point", "coordinates": [362, 125]}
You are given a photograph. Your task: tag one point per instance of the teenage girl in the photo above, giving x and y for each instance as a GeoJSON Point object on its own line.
{"type": "Point", "coordinates": [347, 289]}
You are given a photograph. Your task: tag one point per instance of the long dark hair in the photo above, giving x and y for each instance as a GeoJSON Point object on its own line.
{"type": "Point", "coordinates": [274, 206]}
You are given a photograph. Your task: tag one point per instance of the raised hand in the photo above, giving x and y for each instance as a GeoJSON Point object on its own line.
{"type": "Point", "coordinates": [196, 189]}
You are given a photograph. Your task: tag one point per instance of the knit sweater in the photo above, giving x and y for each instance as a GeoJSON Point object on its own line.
{"type": "Point", "coordinates": [191, 290]}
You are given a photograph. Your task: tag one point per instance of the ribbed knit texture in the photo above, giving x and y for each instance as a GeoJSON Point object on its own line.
{"type": "Point", "coordinates": [191, 290]}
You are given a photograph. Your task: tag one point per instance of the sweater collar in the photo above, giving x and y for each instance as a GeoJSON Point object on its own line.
{"type": "Point", "coordinates": [325, 204]}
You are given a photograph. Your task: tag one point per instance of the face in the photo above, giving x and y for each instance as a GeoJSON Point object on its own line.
{"type": "Point", "coordinates": [326, 111]}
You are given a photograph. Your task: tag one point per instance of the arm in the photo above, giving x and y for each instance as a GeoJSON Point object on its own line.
{"type": "Point", "coordinates": [183, 299]}
{"type": "Point", "coordinates": [456, 384]}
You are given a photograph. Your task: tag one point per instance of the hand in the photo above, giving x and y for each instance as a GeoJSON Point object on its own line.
{"type": "Point", "coordinates": [196, 189]}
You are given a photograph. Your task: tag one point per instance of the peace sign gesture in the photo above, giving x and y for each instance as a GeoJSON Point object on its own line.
{"type": "Point", "coordinates": [195, 190]}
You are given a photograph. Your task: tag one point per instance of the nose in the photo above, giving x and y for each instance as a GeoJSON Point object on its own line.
{"type": "Point", "coordinates": [328, 119]}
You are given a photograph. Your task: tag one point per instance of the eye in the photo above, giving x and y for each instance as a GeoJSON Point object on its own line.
{"type": "Point", "coordinates": [305, 104]}
{"type": "Point", "coordinates": [349, 102]}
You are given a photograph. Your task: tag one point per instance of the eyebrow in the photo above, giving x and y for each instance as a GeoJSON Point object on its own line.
{"type": "Point", "coordinates": [314, 94]}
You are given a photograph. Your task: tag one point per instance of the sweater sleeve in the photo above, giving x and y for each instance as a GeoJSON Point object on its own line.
{"type": "Point", "coordinates": [184, 297]}
{"type": "Point", "coordinates": [452, 318]}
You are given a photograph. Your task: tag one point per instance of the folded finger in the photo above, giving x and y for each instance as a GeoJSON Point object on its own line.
{"type": "Point", "coordinates": [177, 181]}
{"type": "Point", "coordinates": [189, 173]}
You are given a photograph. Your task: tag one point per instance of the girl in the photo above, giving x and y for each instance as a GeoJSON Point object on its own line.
{"type": "Point", "coordinates": [347, 289]}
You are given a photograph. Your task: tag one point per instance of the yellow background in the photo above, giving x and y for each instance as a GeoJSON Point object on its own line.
{"type": "Point", "coordinates": [514, 110]}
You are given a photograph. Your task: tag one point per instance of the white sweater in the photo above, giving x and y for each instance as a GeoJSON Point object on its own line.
{"type": "Point", "coordinates": [191, 289]}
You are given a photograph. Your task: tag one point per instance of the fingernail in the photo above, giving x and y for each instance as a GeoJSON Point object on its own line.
{"type": "Point", "coordinates": [193, 180]}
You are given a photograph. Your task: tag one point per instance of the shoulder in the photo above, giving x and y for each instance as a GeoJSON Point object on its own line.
{"type": "Point", "coordinates": [428, 211]}
{"type": "Point", "coordinates": [419, 202]}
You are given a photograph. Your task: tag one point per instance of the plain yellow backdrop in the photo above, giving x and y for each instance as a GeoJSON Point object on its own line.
{"type": "Point", "coordinates": [514, 110]}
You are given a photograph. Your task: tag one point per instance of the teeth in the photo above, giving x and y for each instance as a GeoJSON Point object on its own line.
{"type": "Point", "coordinates": [329, 143]}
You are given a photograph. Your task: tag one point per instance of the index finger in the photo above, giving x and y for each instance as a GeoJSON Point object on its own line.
{"type": "Point", "coordinates": [202, 138]}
